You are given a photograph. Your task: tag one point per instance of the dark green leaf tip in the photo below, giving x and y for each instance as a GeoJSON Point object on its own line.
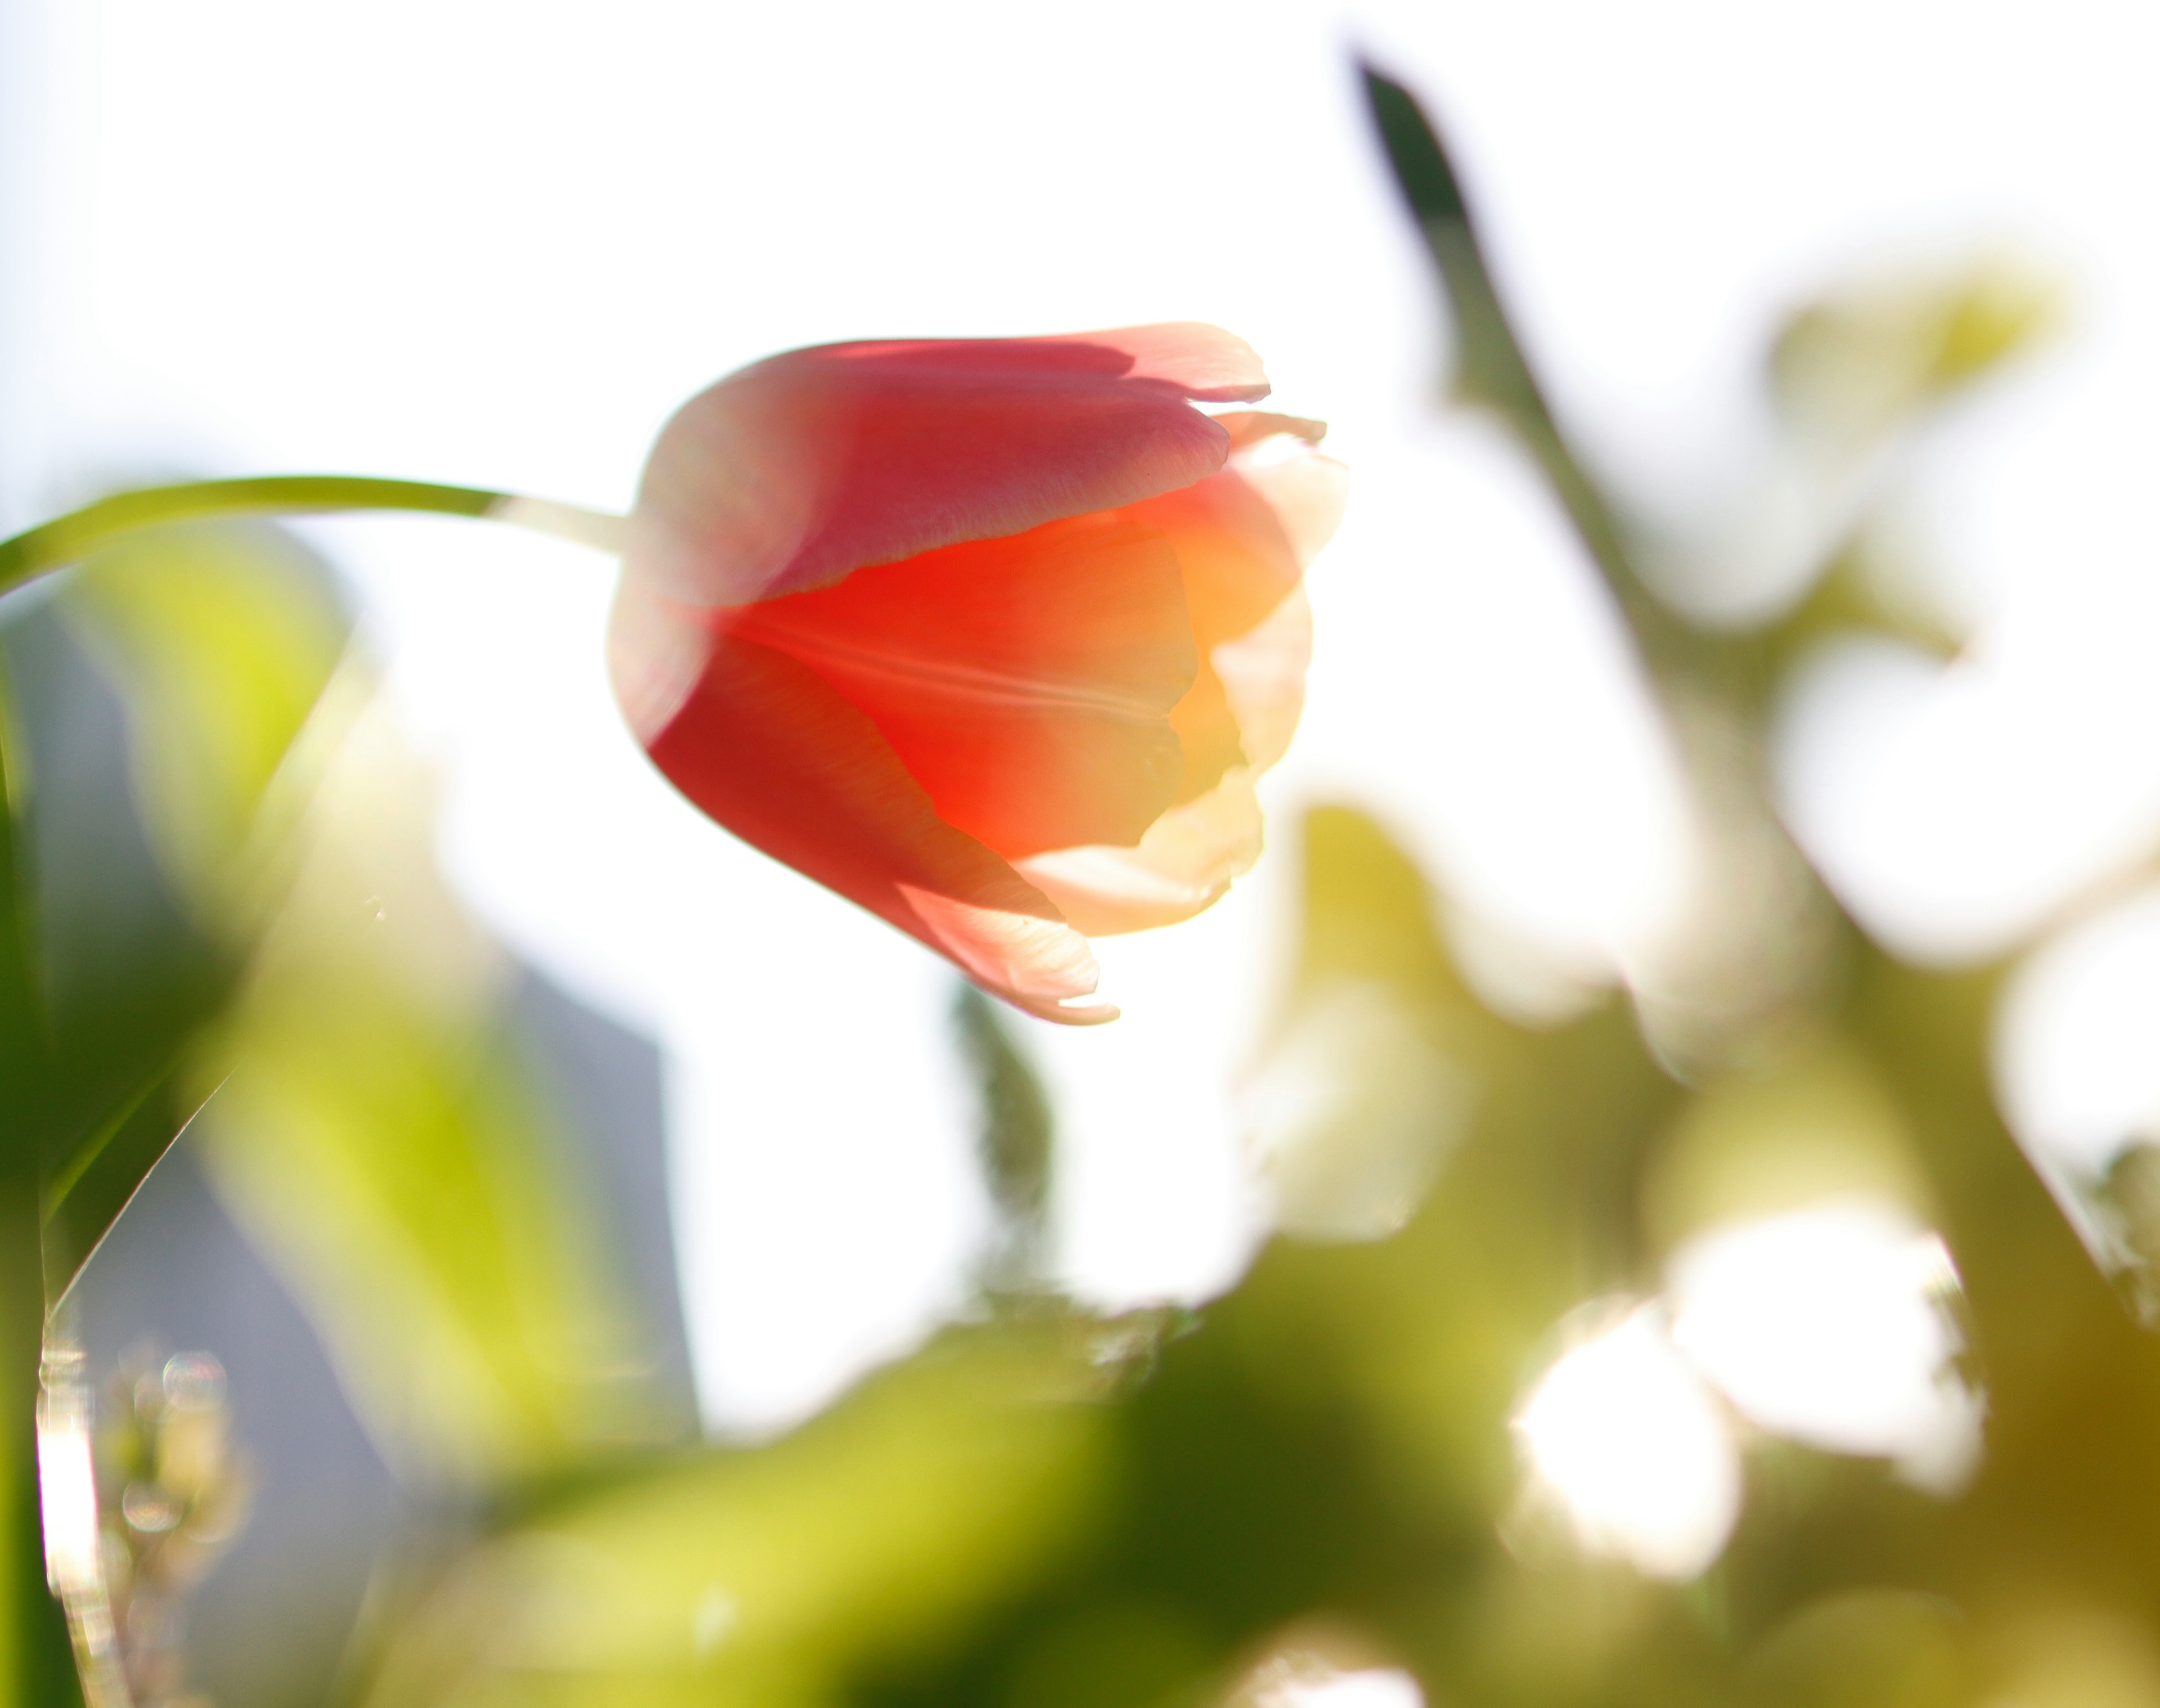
{"type": "Point", "coordinates": [1420, 164]}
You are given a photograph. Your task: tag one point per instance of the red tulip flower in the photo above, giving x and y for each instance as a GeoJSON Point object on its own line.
{"type": "Point", "coordinates": [991, 635]}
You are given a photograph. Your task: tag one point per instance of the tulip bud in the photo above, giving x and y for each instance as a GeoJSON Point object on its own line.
{"type": "Point", "coordinates": [990, 635]}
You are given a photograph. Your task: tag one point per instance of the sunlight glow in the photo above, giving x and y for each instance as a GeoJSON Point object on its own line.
{"type": "Point", "coordinates": [1828, 1325]}
{"type": "Point", "coordinates": [1352, 1115]}
{"type": "Point", "coordinates": [1305, 1682]}
{"type": "Point", "coordinates": [2076, 1071]}
{"type": "Point", "coordinates": [1626, 1437]}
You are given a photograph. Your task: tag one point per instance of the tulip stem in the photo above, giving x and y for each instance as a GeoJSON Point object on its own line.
{"type": "Point", "coordinates": [69, 538]}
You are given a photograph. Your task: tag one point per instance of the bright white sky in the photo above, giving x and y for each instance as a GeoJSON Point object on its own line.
{"type": "Point", "coordinates": [496, 241]}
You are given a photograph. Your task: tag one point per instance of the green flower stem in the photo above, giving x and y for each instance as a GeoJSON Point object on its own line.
{"type": "Point", "coordinates": [69, 538]}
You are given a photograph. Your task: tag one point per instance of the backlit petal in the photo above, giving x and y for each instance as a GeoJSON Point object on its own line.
{"type": "Point", "coordinates": [1243, 538]}
{"type": "Point", "coordinates": [1207, 734]}
{"type": "Point", "coordinates": [1263, 676]}
{"type": "Point", "coordinates": [1203, 361]}
{"type": "Point", "coordinates": [1250, 426]}
{"type": "Point", "coordinates": [1307, 492]}
{"type": "Point", "coordinates": [765, 746]}
{"type": "Point", "coordinates": [1182, 865]}
{"type": "Point", "coordinates": [793, 472]}
{"type": "Point", "coordinates": [1025, 683]}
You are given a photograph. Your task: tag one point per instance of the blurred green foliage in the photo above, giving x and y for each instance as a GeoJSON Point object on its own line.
{"type": "Point", "coordinates": [216, 642]}
{"type": "Point", "coordinates": [378, 1132]}
{"type": "Point", "coordinates": [869, 1540]}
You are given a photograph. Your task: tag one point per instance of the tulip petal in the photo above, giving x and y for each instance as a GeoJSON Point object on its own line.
{"type": "Point", "coordinates": [1026, 683]}
{"type": "Point", "coordinates": [1250, 426]}
{"type": "Point", "coordinates": [1243, 537]}
{"type": "Point", "coordinates": [765, 746]}
{"type": "Point", "coordinates": [1181, 867]}
{"type": "Point", "coordinates": [1307, 492]}
{"type": "Point", "coordinates": [1203, 361]}
{"type": "Point", "coordinates": [1263, 676]}
{"type": "Point", "coordinates": [1207, 733]}
{"type": "Point", "coordinates": [792, 473]}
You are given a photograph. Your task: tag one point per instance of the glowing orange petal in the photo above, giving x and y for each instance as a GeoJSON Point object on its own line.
{"type": "Point", "coordinates": [1243, 537]}
{"type": "Point", "coordinates": [765, 746]}
{"type": "Point", "coordinates": [1026, 683]}
{"type": "Point", "coordinates": [791, 473]}
{"type": "Point", "coordinates": [1207, 733]}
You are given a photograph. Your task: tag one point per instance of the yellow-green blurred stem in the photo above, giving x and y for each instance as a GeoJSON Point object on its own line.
{"type": "Point", "coordinates": [68, 539]}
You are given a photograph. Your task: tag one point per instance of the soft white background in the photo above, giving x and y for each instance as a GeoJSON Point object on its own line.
{"type": "Point", "coordinates": [495, 242]}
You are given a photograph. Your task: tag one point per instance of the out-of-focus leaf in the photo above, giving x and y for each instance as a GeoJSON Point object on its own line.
{"type": "Point", "coordinates": [380, 1138]}
{"type": "Point", "coordinates": [1818, 1124]}
{"type": "Point", "coordinates": [84, 1198]}
{"type": "Point", "coordinates": [1890, 1646]}
{"type": "Point", "coordinates": [22, 1018]}
{"type": "Point", "coordinates": [1811, 536]}
{"type": "Point", "coordinates": [1861, 360]}
{"type": "Point", "coordinates": [1857, 593]}
{"type": "Point", "coordinates": [211, 646]}
{"type": "Point", "coordinates": [1364, 1086]}
{"type": "Point", "coordinates": [781, 1576]}
{"type": "Point", "coordinates": [221, 639]}
{"type": "Point", "coordinates": [1491, 371]}
{"type": "Point", "coordinates": [36, 1661]}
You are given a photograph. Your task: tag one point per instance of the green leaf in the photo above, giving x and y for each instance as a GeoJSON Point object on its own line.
{"type": "Point", "coordinates": [1423, 172]}
{"type": "Point", "coordinates": [173, 672]}
{"type": "Point", "coordinates": [1491, 371]}
{"type": "Point", "coordinates": [37, 1662]}
{"type": "Point", "coordinates": [221, 639]}
{"type": "Point", "coordinates": [1862, 360]}
{"type": "Point", "coordinates": [780, 1575]}
{"type": "Point", "coordinates": [21, 1020]}
{"type": "Point", "coordinates": [95, 1180]}
{"type": "Point", "coordinates": [1367, 1082]}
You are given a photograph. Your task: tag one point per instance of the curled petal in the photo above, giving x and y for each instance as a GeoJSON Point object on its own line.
{"type": "Point", "coordinates": [1243, 705]}
{"type": "Point", "coordinates": [1026, 682]}
{"type": "Point", "coordinates": [795, 471]}
{"type": "Point", "coordinates": [1250, 426]}
{"type": "Point", "coordinates": [765, 746]}
{"type": "Point", "coordinates": [1036, 964]}
{"type": "Point", "coordinates": [1181, 867]}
